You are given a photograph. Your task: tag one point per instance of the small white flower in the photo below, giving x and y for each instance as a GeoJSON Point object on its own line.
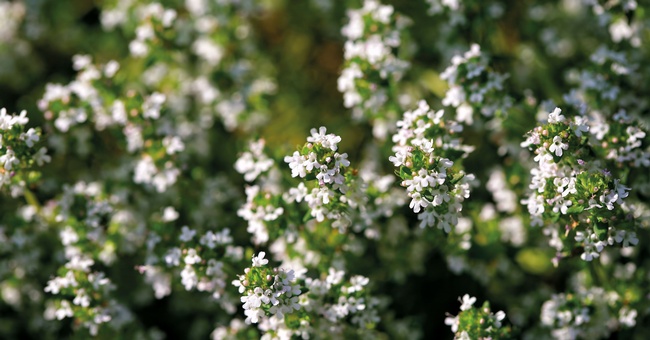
{"type": "Point", "coordinates": [558, 146]}
{"type": "Point", "coordinates": [187, 234]}
{"type": "Point", "coordinates": [467, 302]}
{"type": "Point", "coordinates": [452, 321]}
{"type": "Point", "coordinates": [9, 159]}
{"type": "Point", "coordinates": [556, 116]}
{"type": "Point", "coordinates": [30, 137]}
{"type": "Point", "coordinates": [259, 260]}
{"type": "Point", "coordinates": [170, 214]}
{"type": "Point", "coordinates": [64, 311]}
{"type": "Point", "coordinates": [417, 202]}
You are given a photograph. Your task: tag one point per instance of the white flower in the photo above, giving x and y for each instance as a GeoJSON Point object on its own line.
{"type": "Point", "coordinates": [208, 50]}
{"type": "Point", "coordinates": [627, 317]}
{"type": "Point", "coordinates": [555, 116]}
{"type": "Point", "coordinates": [173, 257]}
{"type": "Point", "coordinates": [64, 311]}
{"type": "Point", "coordinates": [562, 205]}
{"type": "Point", "coordinates": [580, 125]}
{"type": "Point", "coordinates": [452, 321]}
{"type": "Point", "coordinates": [467, 302]}
{"type": "Point", "coordinates": [417, 202]}
{"type": "Point", "coordinates": [621, 30]}
{"type": "Point", "coordinates": [9, 159]}
{"type": "Point", "coordinates": [68, 236]}
{"type": "Point", "coordinates": [499, 316]}
{"type": "Point", "coordinates": [329, 141]}
{"type": "Point", "coordinates": [82, 299]}
{"type": "Point", "coordinates": [354, 29]}
{"type": "Point", "coordinates": [558, 146]}
{"type": "Point", "coordinates": [170, 214]}
{"type": "Point", "coordinates": [152, 105]}
{"type": "Point", "coordinates": [173, 144]}
{"type": "Point", "coordinates": [192, 257]}
{"type": "Point", "coordinates": [30, 137]}
{"type": "Point", "coordinates": [297, 164]}
{"type": "Point", "coordinates": [259, 260]}
{"type": "Point", "coordinates": [187, 234]}
{"type": "Point", "coordinates": [188, 277]}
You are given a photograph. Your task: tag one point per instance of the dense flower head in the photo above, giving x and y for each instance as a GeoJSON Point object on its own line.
{"type": "Point", "coordinates": [477, 323]}
{"type": "Point", "coordinates": [570, 189]}
{"type": "Point", "coordinates": [474, 87]}
{"type": "Point", "coordinates": [592, 312]}
{"type": "Point", "coordinates": [19, 151]}
{"type": "Point", "coordinates": [423, 142]}
{"type": "Point", "coordinates": [374, 34]}
{"type": "Point", "coordinates": [267, 292]}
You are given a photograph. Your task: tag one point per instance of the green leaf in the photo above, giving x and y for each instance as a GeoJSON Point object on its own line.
{"type": "Point", "coordinates": [404, 172]}
{"type": "Point", "coordinates": [600, 228]}
{"type": "Point", "coordinates": [576, 209]}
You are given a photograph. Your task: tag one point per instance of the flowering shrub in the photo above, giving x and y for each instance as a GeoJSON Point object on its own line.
{"type": "Point", "coordinates": [324, 169]}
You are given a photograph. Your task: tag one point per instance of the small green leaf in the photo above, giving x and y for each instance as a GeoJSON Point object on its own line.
{"type": "Point", "coordinates": [600, 228]}
{"type": "Point", "coordinates": [576, 209]}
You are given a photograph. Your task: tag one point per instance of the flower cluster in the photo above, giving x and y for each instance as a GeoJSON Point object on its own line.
{"type": "Point", "coordinates": [589, 313]}
{"type": "Point", "coordinates": [254, 162]}
{"type": "Point", "coordinates": [199, 260]}
{"type": "Point", "coordinates": [477, 323]}
{"type": "Point", "coordinates": [615, 16]}
{"type": "Point", "coordinates": [374, 34]}
{"type": "Point", "coordinates": [319, 161]}
{"type": "Point", "coordinates": [135, 116]}
{"type": "Point", "coordinates": [573, 192]}
{"type": "Point", "coordinates": [425, 145]}
{"type": "Point", "coordinates": [83, 215]}
{"type": "Point", "coordinates": [334, 300]}
{"type": "Point", "coordinates": [473, 87]}
{"type": "Point", "coordinates": [19, 152]}
{"type": "Point", "coordinates": [461, 12]}
{"type": "Point", "coordinates": [267, 292]}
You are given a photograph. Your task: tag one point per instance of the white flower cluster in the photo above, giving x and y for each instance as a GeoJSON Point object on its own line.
{"type": "Point", "coordinates": [491, 322]}
{"type": "Point", "coordinates": [588, 314]}
{"type": "Point", "coordinates": [149, 15]}
{"type": "Point", "coordinates": [83, 212]}
{"type": "Point", "coordinates": [627, 141]}
{"type": "Point", "coordinates": [146, 172]}
{"type": "Point", "coordinates": [68, 104]}
{"type": "Point", "coordinates": [197, 258]}
{"type": "Point", "coordinates": [473, 86]}
{"type": "Point", "coordinates": [254, 162]}
{"type": "Point", "coordinates": [421, 142]}
{"type": "Point", "coordinates": [80, 94]}
{"type": "Point", "coordinates": [85, 286]}
{"type": "Point", "coordinates": [575, 186]}
{"type": "Point", "coordinates": [373, 33]}
{"type": "Point", "coordinates": [265, 294]}
{"type": "Point", "coordinates": [328, 170]}
{"type": "Point", "coordinates": [197, 30]}
{"type": "Point", "coordinates": [604, 80]}
{"type": "Point", "coordinates": [504, 198]}
{"type": "Point", "coordinates": [319, 158]}
{"type": "Point", "coordinates": [349, 300]}
{"type": "Point", "coordinates": [614, 15]}
{"type": "Point", "coordinates": [258, 214]}
{"type": "Point", "coordinates": [17, 149]}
